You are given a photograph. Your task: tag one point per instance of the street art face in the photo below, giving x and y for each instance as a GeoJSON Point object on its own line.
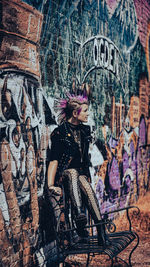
{"type": "Point", "coordinates": [22, 127]}
{"type": "Point", "coordinates": [100, 48]}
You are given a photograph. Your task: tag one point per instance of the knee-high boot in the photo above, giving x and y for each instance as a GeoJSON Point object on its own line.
{"type": "Point", "coordinates": [81, 222]}
{"type": "Point", "coordinates": [103, 239]}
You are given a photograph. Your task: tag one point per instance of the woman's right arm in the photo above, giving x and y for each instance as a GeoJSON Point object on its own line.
{"type": "Point", "coordinates": [52, 169]}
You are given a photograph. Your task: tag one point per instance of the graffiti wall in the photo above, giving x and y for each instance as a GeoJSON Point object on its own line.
{"type": "Point", "coordinates": [50, 48]}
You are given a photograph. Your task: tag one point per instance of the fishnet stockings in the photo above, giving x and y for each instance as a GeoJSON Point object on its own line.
{"type": "Point", "coordinates": [78, 184]}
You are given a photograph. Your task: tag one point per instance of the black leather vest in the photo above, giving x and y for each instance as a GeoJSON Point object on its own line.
{"type": "Point", "coordinates": [68, 147]}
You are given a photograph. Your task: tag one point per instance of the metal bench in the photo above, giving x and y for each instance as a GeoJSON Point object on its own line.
{"type": "Point", "coordinates": [119, 240]}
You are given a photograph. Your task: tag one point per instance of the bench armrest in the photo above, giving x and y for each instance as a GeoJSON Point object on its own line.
{"type": "Point", "coordinates": [135, 212]}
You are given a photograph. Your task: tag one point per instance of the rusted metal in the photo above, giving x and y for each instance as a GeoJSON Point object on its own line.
{"type": "Point", "coordinates": [22, 19]}
{"type": "Point", "coordinates": [20, 30]}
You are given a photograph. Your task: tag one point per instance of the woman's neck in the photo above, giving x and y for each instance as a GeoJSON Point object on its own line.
{"type": "Point", "coordinates": [74, 121]}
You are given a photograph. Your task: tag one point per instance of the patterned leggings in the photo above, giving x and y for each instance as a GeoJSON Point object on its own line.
{"type": "Point", "coordinates": [80, 189]}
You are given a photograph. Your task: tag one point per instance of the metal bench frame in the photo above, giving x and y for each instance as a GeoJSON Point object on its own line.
{"type": "Point", "coordinates": [119, 239]}
{"type": "Point", "coordinates": [65, 230]}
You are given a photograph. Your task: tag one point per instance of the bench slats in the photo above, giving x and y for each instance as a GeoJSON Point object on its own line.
{"type": "Point", "coordinates": [119, 241]}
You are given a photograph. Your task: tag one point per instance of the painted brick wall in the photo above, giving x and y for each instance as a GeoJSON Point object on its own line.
{"type": "Point", "coordinates": [49, 48]}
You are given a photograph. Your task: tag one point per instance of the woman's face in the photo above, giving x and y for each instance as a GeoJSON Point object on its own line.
{"type": "Point", "coordinates": [83, 114]}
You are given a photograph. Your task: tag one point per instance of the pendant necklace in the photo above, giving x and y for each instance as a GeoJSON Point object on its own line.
{"type": "Point", "coordinates": [77, 137]}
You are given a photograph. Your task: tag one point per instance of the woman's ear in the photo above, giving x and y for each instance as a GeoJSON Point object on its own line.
{"type": "Point", "coordinates": [75, 113]}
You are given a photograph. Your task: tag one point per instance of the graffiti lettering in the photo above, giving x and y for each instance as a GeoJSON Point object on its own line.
{"type": "Point", "coordinates": [100, 52]}
{"type": "Point", "coordinates": [105, 55]}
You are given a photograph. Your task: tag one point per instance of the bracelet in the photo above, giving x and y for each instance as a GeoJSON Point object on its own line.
{"type": "Point", "coordinates": [50, 186]}
{"type": "Point", "coordinates": [55, 189]}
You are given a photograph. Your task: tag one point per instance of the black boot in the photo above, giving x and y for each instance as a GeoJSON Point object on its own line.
{"type": "Point", "coordinates": [101, 235]}
{"type": "Point", "coordinates": [81, 222]}
{"type": "Point", "coordinates": [103, 239]}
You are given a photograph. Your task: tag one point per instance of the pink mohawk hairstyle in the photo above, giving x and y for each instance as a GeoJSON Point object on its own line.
{"type": "Point", "coordinates": [66, 106]}
{"type": "Point", "coordinates": [81, 99]}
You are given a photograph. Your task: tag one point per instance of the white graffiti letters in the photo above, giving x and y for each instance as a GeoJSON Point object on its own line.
{"type": "Point", "coordinates": [105, 55]}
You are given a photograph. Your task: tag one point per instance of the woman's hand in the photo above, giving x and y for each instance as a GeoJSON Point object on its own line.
{"type": "Point", "coordinates": [55, 189]}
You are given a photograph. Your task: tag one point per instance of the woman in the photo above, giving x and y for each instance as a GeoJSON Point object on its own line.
{"type": "Point", "coordinates": [70, 162]}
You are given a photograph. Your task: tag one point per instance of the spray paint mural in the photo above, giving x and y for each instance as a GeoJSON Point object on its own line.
{"type": "Point", "coordinates": [48, 48]}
